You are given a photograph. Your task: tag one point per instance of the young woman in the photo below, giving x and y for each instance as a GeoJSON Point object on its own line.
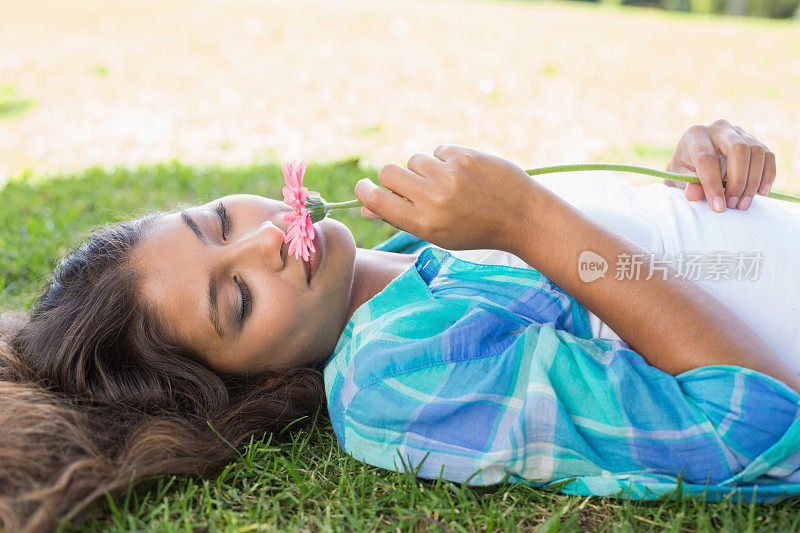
{"type": "Point", "coordinates": [158, 336]}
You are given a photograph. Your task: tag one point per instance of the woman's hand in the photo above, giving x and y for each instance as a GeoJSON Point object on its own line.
{"type": "Point", "coordinates": [458, 198]}
{"type": "Point", "coordinates": [720, 151]}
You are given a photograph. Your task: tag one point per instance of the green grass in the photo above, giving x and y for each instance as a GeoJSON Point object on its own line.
{"type": "Point", "coordinates": [101, 70]}
{"type": "Point", "coordinates": [306, 482]}
{"type": "Point", "coordinates": [369, 131]}
{"type": "Point", "coordinates": [13, 105]}
{"type": "Point", "coordinates": [300, 480]}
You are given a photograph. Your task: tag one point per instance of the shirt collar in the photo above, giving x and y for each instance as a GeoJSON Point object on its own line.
{"type": "Point", "coordinates": [409, 287]}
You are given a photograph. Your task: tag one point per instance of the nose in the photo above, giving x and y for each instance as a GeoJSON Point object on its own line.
{"type": "Point", "coordinates": [262, 245]}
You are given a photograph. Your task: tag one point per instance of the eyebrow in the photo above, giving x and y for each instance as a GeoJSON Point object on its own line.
{"type": "Point", "coordinates": [193, 226]}
{"type": "Point", "coordinates": [213, 309]}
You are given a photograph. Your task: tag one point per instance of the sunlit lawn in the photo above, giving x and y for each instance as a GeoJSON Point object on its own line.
{"type": "Point", "coordinates": [301, 480]}
{"type": "Point", "coordinates": [539, 82]}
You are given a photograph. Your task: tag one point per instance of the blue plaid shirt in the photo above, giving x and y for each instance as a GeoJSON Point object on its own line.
{"type": "Point", "coordinates": [484, 373]}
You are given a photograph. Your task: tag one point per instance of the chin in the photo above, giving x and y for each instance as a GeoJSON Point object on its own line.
{"type": "Point", "coordinates": [339, 240]}
{"type": "Point", "coordinates": [338, 268]}
{"type": "Point", "coordinates": [338, 260]}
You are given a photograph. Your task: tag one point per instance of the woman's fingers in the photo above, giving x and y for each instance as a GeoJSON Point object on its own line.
{"type": "Point", "coordinates": [693, 192]}
{"type": "Point", "coordinates": [446, 152]}
{"type": "Point", "coordinates": [403, 184]}
{"type": "Point", "coordinates": [677, 184]}
{"type": "Point", "coordinates": [395, 203]}
{"type": "Point", "coordinates": [737, 155]}
{"type": "Point", "coordinates": [366, 213]}
{"type": "Point", "coordinates": [755, 170]}
{"type": "Point", "coordinates": [385, 204]}
{"type": "Point", "coordinates": [770, 171]}
{"type": "Point", "coordinates": [400, 180]}
{"type": "Point", "coordinates": [704, 158]}
{"type": "Point", "coordinates": [762, 166]}
{"type": "Point", "coordinates": [720, 151]}
{"type": "Point", "coordinates": [425, 164]}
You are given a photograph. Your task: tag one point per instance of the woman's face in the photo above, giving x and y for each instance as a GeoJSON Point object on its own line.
{"type": "Point", "coordinates": [199, 269]}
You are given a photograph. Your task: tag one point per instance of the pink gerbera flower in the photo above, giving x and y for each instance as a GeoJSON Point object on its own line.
{"type": "Point", "coordinates": [300, 234]}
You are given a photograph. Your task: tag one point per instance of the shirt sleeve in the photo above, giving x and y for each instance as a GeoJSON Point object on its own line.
{"type": "Point", "coordinates": [467, 405]}
{"type": "Point", "coordinates": [553, 406]}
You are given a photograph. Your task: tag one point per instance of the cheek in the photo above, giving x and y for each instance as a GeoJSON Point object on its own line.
{"type": "Point", "coordinates": [284, 336]}
{"type": "Point", "coordinates": [282, 321]}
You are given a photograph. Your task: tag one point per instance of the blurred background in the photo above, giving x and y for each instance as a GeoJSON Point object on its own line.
{"type": "Point", "coordinates": [122, 82]}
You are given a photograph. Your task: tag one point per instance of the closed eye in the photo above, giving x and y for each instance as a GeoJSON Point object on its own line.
{"type": "Point", "coordinates": [247, 301]}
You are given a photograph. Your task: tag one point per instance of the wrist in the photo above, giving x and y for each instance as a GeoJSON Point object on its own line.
{"type": "Point", "coordinates": [537, 210]}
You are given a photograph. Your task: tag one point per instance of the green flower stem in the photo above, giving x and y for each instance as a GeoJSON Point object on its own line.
{"type": "Point", "coordinates": [612, 166]}
{"type": "Point", "coordinates": [321, 210]}
{"type": "Point", "coordinates": [663, 174]}
{"type": "Point", "coordinates": [344, 205]}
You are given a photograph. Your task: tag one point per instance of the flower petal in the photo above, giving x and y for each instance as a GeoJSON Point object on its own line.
{"type": "Point", "coordinates": [300, 233]}
{"type": "Point", "coordinates": [288, 175]}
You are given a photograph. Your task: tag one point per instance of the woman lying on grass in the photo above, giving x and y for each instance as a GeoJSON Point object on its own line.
{"type": "Point", "coordinates": [162, 343]}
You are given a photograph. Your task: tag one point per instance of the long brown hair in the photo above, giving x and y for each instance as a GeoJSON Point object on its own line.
{"type": "Point", "coordinates": [93, 395]}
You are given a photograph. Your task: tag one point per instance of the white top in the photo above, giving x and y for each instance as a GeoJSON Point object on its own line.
{"type": "Point", "coordinates": [719, 251]}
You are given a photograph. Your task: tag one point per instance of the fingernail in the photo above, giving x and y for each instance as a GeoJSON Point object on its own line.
{"type": "Point", "coordinates": [744, 203]}
{"type": "Point", "coordinates": [765, 189]}
{"type": "Point", "coordinates": [718, 204]}
{"type": "Point", "coordinates": [732, 201]}
{"type": "Point", "coordinates": [359, 184]}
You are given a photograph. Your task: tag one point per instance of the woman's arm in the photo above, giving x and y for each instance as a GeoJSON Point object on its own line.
{"type": "Point", "coordinates": [466, 199]}
{"type": "Point", "coordinates": [702, 330]}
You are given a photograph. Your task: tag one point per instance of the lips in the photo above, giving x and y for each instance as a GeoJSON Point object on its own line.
{"type": "Point", "coordinates": [308, 271]}
{"type": "Point", "coordinates": [311, 266]}
{"type": "Point", "coordinates": [315, 257]}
